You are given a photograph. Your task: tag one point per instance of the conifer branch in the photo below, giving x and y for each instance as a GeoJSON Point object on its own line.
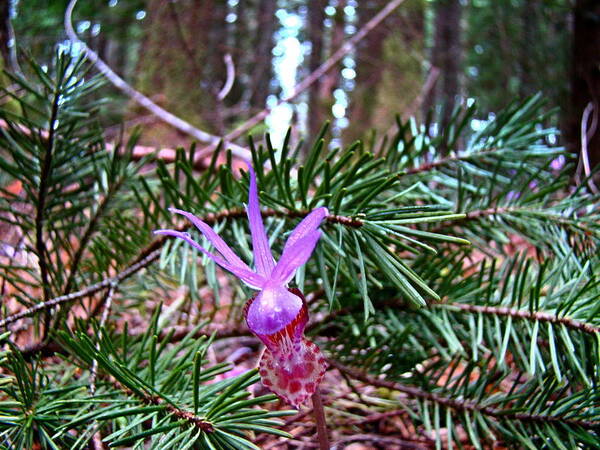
{"type": "Point", "coordinates": [152, 252]}
{"type": "Point", "coordinates": [90, 290]}
{"type": "Point", "coordinates": [521, 314]}
{"type": "Point", "coordinates": [149, 399]}
{"type": "Point", "coordinates": [46, 169]}
{"type": "Point", "coordinates": [462, 405]}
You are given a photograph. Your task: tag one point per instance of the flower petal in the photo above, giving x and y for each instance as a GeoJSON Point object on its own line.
{"type": "Point", "coordinates": [294, 256]}
{"type": "Point", "coordinates": [252, 279]}
{"type": "Point", "coordinates": [213, 237]}
{"type": "Point", "coordinates": [272, 310]}
{"type": "Point", "coordinates": [263, 258]}
{"type": "Point", "coordinates": [309, 224]}
{"type": "Point", "coordinates": [295, 374]}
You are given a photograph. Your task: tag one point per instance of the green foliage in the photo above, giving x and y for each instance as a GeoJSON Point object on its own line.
{"type": "Point", "coordinates": [475, 343]}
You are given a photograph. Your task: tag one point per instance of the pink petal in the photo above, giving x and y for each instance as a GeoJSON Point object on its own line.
{"type": "Point", "coordinates": [214, 238]}
{"type": "Point", "coordinates": [263, 258]}
{"type": "Point", "coordinates": [309, 224]}
{"type": "Point", "coordinates": [294, 256]}
{"type": "Point", "coordinates": [272, 310]}
{"type": "Point", "coordinates": [293, 373]}
{"type": "Point", "coordinates": [252, 279]}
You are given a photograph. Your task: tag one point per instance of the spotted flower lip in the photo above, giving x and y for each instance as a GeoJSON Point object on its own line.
{"type": "Point", "coordinates": [274, 307]}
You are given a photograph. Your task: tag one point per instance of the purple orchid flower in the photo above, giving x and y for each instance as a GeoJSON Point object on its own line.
{"type": "Point", "coordinates": [291, 366]}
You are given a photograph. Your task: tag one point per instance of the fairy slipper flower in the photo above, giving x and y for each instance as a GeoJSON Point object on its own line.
{"type": "Point", "coordinates": [291, 365]}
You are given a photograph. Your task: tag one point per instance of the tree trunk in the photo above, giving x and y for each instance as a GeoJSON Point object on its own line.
{"type": "Point", "coordinates": [585, 81]}
{"type": "Point", "coordinates": [316, 35]}
{"type": "Point", "coordinates": [262, 65]}
{"type": "Point", "coordinates": [446, 56]}
{"type": "Point", "coordinates": [369, 70]}
{"type": "Point", "coordinates": [5, 34]}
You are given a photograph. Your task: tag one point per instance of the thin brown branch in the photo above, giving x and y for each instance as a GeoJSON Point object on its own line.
{"type": "Point", "coordinates": [230, 67]}
{"type": "Point", "coordinates": [90, 290]}
{"type": "Point", "coordinates": [521, 314]}
{"type": "Point", "coordinates": [314, 76]}
{"type": "Point", "coordinates": [461, 405]}
{"type": "Point", "coordinates": [89, 232]}
{"type": "Point", "coordinates": [143, 100]}
{"type": "Point", "coordinates": [107, 302]}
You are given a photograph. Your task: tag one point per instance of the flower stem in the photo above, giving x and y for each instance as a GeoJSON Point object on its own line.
{"type": "Point", "coordinates": [320, 419]}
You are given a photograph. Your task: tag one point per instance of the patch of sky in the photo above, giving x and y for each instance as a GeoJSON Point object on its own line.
{"type": "Point", "coordinates": [96, 29]}
{"type": "Point", "coordinates": [288, 54]}
{"type": "Point", "coordinates": [140, 15]}
{"type": "Point", "coordinates": [349, 73]}
{"type": "Point", "coordinates": [112, 3]}
{"type": "Point", "coordinates": [338, 111]}
{"type": "Point", "coordinates": [231, 17]}
{"type": "Point", "coordinates": [83, 26]}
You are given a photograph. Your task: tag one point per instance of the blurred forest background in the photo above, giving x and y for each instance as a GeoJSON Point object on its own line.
{"type": "Point", "coordinates": [425, 57]}
{"type": "Point", "coordinates": [505, 95]}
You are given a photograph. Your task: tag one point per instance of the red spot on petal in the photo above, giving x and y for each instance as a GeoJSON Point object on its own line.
{"type": "Point", "coordinates": [282, 384]}
{"type": "Point", "coordinates": [310, 387]}
{"type": "Point", "coordinates": [267, 382]}
{"type": "Point", "coordinates": [295, 386]}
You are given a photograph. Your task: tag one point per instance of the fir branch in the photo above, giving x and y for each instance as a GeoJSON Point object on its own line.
{"type": "Point", "coordinates": [427, 167]}
{"type": "Point", "coordinates": [152, 252]}
{"type": "Point", "coordinates": [46, 169]}
{"type": "Point", "coordinates": [89, 232]}
{"type": "Point", "coordinates": [90, 290]}
{"type": "Point", "coordinates": [462, 405]}
{"type": "Point", "coordinates": [521, 314]}
{"type": "Point", "coordinates": [155, 400]}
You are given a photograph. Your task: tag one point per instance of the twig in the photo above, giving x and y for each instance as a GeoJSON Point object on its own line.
{"type": "Point", "coordinates": [146, 261]}
{"type": "Point", "coordinates": [521, 314]}
{"type": "Point", "coordinates": [319, 414]}
{"type": "Point", "coordinates": [327, 65]}
{"type": "Point", "coordinates": [430, 81]}
{"type": "Point", "coordinates": [230, 77]}
{"type": "Point", "coordinates": [140, 98]}
{"type": "Point", "coordinates": [459, 404]}
{"type": "Point", "coordinates": [107, 305]}
{"type": "Point", "coordinates": [40, 243]}
{"type": "Point", "coordinates": [586, 135]}
{"type": "Point", "coordinates": [89, 232]}
{"type": "Point", "coordinates": [97, 437]}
